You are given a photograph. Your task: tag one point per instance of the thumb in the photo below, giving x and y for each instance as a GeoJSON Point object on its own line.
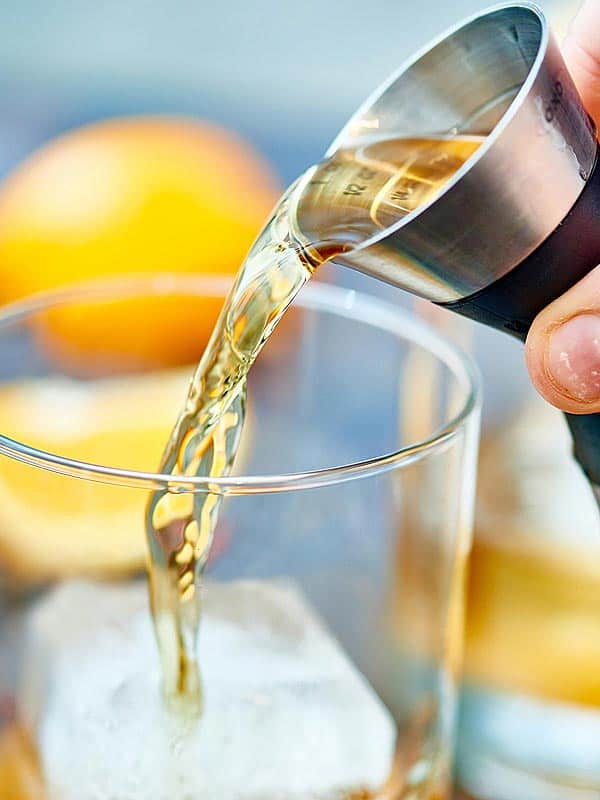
{"type": "Point", "coordinates": [581, 50]}
{"type": "Point", "coordinates": [563, 348]}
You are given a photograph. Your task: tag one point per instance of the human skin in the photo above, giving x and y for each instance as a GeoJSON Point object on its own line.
{"type": "Point", "coordinates": [563, 346]}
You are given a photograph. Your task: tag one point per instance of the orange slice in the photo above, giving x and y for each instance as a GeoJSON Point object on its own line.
{"type": "Point", "coordinates": [19, 774]}
{"type": "Point", "coordinates": [53, 525]}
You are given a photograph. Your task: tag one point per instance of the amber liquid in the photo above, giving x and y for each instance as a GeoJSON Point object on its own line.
{"type": "Point", "coordinates": [335, 206]}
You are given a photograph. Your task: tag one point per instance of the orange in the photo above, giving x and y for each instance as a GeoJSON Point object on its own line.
{"type": "Point", "coordinates": [132, 195]}
{"type": "Point", "coordinates": [128, 335]}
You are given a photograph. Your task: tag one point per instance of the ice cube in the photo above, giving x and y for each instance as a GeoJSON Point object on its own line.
{"type": "Point", "coordinates": [286, 714]}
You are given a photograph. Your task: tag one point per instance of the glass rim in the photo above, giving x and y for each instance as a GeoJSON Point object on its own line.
{"type": "Point", "coordinates": [344, 302]}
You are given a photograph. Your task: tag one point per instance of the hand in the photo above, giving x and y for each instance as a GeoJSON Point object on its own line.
{"type": "Point", "coordinates": [563, 346]}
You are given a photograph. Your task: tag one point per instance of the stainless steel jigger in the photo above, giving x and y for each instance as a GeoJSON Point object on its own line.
{"type": "Point", "coordinates": [520, 222]}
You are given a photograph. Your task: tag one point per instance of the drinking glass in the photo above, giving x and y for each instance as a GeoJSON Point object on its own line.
{"type": "Point", "coordinates": [331, 631]}
{"type": "Point", "coordinates": [530, 722]}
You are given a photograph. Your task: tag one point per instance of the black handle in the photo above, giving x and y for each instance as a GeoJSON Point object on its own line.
{"type": "Point", "coordinates": [512, 302]}
{"type": "Point", "coordinates": [585, 429]}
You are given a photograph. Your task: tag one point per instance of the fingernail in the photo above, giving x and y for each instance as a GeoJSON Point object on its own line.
{"type": "Point", "coordinates": [573, 357]}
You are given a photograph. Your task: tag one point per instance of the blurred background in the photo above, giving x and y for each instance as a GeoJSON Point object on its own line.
{"type": "Point", "coordinates": [284, 77]}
